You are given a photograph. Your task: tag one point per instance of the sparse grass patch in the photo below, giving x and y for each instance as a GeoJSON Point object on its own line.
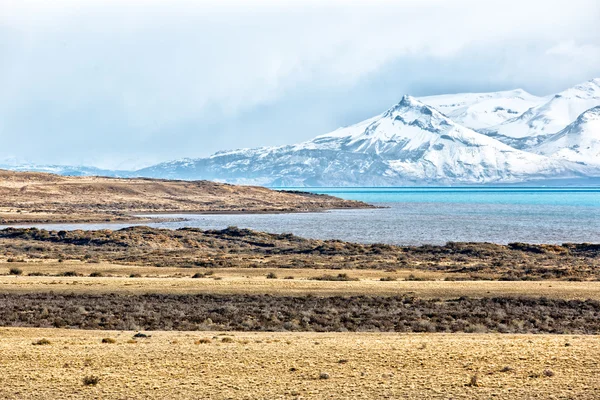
{"type": "Point", "coordinates": [413, 277]}
{"type": "Point", "coordinates": [335, 278]}
{"type": "Point", "coordinates": [474, 381]}
{"type": "Point", "coordinates": [91, 380]}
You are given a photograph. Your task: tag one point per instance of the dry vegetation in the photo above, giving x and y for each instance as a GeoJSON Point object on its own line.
{"type": "Point", "coordinates": [30, 197]}
{"type": "Point", "coordinates": [193, 365]}
{"type": "Point", "coordinates": [243, 248]}
{"type": "Point", "coordinates": [236, 312]}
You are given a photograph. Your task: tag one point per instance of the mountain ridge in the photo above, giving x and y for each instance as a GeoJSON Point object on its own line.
{"type": "Point", "coordinates": [417, 141]}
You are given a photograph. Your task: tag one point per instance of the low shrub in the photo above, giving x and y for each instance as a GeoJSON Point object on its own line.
{"type": "Point", "coordinates": [91, 380]}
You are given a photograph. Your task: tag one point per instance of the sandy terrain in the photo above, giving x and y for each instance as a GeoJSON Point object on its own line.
{"type": "Point", "coordinates": [30, 197]}
{"type": "Point", "coordinates": [288, 366]}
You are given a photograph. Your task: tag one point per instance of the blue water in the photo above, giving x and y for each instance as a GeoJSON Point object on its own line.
{"type": "Point", "coordinates": [580, 197]}
{"type": "Point", "coordinates": [427, 216]}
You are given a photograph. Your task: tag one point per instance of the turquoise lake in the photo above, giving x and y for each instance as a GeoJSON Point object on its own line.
{"type": "Point", "coordinates": [415, 216]}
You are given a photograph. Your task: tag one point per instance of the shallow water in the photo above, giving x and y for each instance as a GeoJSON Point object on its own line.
{"type": "Point", "coordinates": [426, 215]}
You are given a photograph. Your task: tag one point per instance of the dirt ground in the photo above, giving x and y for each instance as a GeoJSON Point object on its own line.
{"type": "Point", "coordinates": [293, 365]}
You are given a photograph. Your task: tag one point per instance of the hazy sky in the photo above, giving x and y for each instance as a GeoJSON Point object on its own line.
{"type": "Point", "coordinates": [122, 83]}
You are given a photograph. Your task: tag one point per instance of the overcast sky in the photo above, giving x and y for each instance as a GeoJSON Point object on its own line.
{"type": "Point", "coordinates": [125, 83]}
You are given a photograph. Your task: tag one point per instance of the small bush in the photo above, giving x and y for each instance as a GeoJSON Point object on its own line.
{"type": "Point", "coordinates": [135, 276]}
{"type": "Point", "coordinates": [271, 275]}
{"type": "Point", "coordinates": [506, 369]}
{"type": "Point", "coordinates": [548, 373]}
{"type": "Point", "coordinates": [473, 382]}
{"type": "Point", "coordinates": [36, 274]}
{"type": "Point", "coordinates": [335, 278]}
{"type": "Point", "coordinates": [227, 340]}
{"type": "Point", "coordinates": [69, 273]}
{"type": "Point", "coordinates": [387, 279]}
{"type": "Point", "coordinates": [413, 277]}
{"type": "Point", "coordinates": [91, 380]}
{"type": "Point", "coordinates": [15, 271]}
{"type": "Point", "coordinates": [41, 342]}
{"type": "Point", "coordinates": [108, 340]}
{"type": "Point", "coordinates": [289, 277]}
{"type": "Point", "coordinates": [198, 275]}
{"type": "Point", "coordinates": [323, 375]}
{"type": "Point", "coordinates": [203, 341]}
{"type": "Point", "coordinates": [96, 274]}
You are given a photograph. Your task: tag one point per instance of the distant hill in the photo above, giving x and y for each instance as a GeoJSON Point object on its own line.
{"type": "Point", "coordinates": [33, 197]}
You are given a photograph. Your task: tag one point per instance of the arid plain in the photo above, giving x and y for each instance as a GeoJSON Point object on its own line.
{"type": "Point", "coordinates": [236, 314]}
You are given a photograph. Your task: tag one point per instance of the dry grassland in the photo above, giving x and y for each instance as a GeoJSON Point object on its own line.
{"type": "Point", "coordinates": [164, 280]}
{"type": "Point", "coordinates": [35, 197]}
{"type": "Point", "coordinates": [291, 365]}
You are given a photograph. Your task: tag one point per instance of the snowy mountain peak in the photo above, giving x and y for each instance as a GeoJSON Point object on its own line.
{"type": "Point", "coordinates": [410, 111]}
{"type": "Point", "coordinates": [579, 142]}
{"type": "Point", "coordinates": [585, 90]}
{"type": "Point", "coordinates": [409, 102]}
{"type": "Point", "coordinates": [550, 117]}
{"type": "Point", "coordinates": [483, 110]}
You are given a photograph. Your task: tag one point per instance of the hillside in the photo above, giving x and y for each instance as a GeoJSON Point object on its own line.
{"type": "Point", "coordinates": [578, 142]}
{"type": "Point", "coordinates": [410, 143]}
{"type": "Point", "coordinates": [550, 117]}
{"type": "Point", "coordinates": [27, 197]}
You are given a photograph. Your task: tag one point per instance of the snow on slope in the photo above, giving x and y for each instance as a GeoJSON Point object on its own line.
{"type": "Point", "coordinates": [409, 143]}
{"type": "Point", "coordinates": [550, 117]}
{"type": "Point", "coordinates": [578, 142]}
{"type": "Point", "coordinates": [483, 110]}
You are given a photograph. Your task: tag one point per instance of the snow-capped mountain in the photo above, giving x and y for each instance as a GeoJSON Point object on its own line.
{"type": "Point", "coordinates": [409, 143]}
{"type": "Point", "coordinates": [65, 170]}
{"type": "Point", "coordinates": [578, 142]}
{"type": "Point", "coordinates": [484, 110]}
{"type": "Point", "coordinates": [469, 138]}
{"type": "Point", "coordinates": [528, 129]}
